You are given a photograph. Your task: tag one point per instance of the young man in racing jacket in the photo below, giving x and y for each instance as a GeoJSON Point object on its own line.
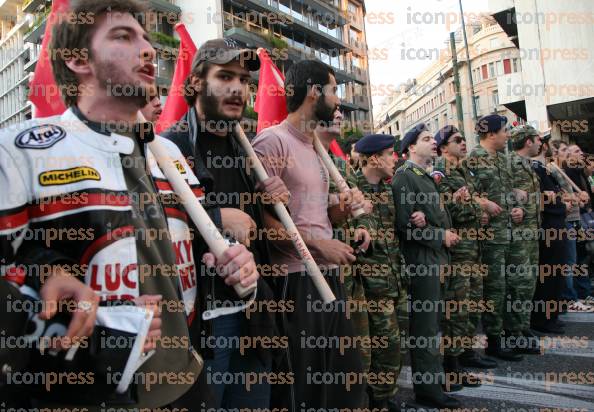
{"type": "Point", "coordinates": [86, 198]}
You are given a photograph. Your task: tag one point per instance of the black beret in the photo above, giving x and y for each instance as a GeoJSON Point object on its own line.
{"type": "Point", "coordinates": [374, 143]}
{"type": "Point", "coordinates": [412, 135]}
{"type": "Point", "coordinates": [441, 138]}
{"type": "Point", "coordinates": [490, 124]}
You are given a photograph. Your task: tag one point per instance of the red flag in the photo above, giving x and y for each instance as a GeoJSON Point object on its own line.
{"type": "Point", "coordinates": [270, 99]}
{"type": "Point", "coordinates": [270, 104]}
{"type": "Point", "coordinates": [43, 90]}
{"type": "Point", "coordinates": [175, 105]}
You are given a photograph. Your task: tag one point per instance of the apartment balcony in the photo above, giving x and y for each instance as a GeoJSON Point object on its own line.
{"type": "Point", "coordinates": [35, 34]}
{"type": "Point", "coordinates": [31, 6]}
{"type": "Point", "coordinates": [308, 27]}
{"type": "Point", "coordinates": [362, 102]}
{"type": "Point", "coordinates": [164, 6]}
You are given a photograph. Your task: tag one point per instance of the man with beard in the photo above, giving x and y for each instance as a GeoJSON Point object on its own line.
{"type": "Point", "coordinates": [520, 288]}
{"type": "Point", "coordinates": [287, 151]}
{"type": "Point", "coordinates": [217, 90]}
{"type": "Point", "coordinates": [152, 111]}
{"type": "Point", "coordinates": [493, 176]}
{"type": "Point", "coordinates": [423, 229]}
{"type": "Point", "coordinates": [107, 193]}
{"type": "Point", "coordinates": [463, 281]}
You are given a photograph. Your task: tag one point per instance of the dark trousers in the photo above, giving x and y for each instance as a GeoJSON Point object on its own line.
{"type": "Point", "coordinates": [426, 362]}
{"type": "Point", "coordinates": [550, 283]}
{"type": "Point", "coordinates": [325, 374]}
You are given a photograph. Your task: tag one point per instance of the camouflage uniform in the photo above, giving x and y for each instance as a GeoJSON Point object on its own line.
{"type": "Point", "coordinates": [494, 178]}
{"type": "Point", "coordinates": [520, 287]}
{"type": "Point", "coordinates": [465, 280]}
{"type": "Point", "coordinates": [353, 284]}
{"type": "Point", "coordinates": [384, 285]}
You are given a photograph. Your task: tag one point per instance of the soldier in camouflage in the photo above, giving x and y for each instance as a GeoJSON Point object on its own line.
{"type": "Point", "coordinates": [463, 283]}
{"type": "Point", "coordinates": [520, 287]}
{"type": "Point", "coordinates": [383, 280]}
{"type": "Point", "coordinates": [344, 231]}
{"type": "Point", "coordinates": [490, 167]}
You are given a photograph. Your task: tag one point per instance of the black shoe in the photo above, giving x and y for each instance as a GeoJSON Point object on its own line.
{"type": "Point", "coordinates": [379, 404]}
{"type": "Point", "coordinates": [472, 359]}
{"type": "Point", "coordinates": [452, 387]}
{"type": "Point", "coordinates": [459, 375]}
{"type": "Point", "coordinates": [441, 402]}
{"type": "Point", "coordinates": [525, 343]}
{"type": "Point", "coordinates": [549, 327]}
{"type": "Point", "coordinates": [497, 350]}
{"type": "Point", "coordinates": [393, 406]}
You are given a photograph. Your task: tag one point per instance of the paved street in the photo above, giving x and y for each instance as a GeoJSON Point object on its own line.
{"type": "Point", "coordinates": [537, 383]}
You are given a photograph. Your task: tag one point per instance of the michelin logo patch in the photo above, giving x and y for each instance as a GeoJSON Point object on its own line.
{"type": "Point", "coordinates": [64, 177]}
{"type": "Point", "coordinates": [40, 137]}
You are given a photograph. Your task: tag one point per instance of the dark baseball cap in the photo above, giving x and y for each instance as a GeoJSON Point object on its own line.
{"type": "Point", "coordinates": [222, 51]}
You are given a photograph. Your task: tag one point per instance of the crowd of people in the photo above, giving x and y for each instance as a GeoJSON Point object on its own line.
{"type": "Point", "coordinates": [427, 247]}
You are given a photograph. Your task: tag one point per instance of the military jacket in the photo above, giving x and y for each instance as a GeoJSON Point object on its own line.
{"type": "Point", "coordinates": [494, 178]}
{"type": "Point", "coordinates": [385, 257]}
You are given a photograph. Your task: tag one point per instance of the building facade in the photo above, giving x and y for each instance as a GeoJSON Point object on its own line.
{"type": "Point", "coordinates": [431, 97]}
{"type": "Point", "coordinates": [554, 90]}
{"type": "Point", "coordinates": [331, 31]}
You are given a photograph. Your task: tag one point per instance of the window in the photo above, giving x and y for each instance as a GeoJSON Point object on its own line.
{"type": "Point", "coordinates": [494, 43]}
{"type": "Point", "coordinates": [507, 66]}
{"type": "Point", "coordinates": [352, 8]}
{"type": "Point", "coordinates": [492, 70]}
{"type": "Point", "coordinates": [517, 66]}
{"type": "Point", "coordinates": [495, 98]}
{"type": "Point", "coordinates": [499, 68]}
{"type": "Point", "coordinates": [485, 72]}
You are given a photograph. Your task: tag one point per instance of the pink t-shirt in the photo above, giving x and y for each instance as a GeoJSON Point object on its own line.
{"type": "Point", "coordinates": [288, 153]}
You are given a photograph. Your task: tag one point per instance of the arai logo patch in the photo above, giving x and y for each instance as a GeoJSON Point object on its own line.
{"type": "Point", "coordinates": [40, 137]}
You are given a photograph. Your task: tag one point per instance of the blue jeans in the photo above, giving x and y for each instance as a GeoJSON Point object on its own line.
{"type": "Point", "coordinates": [227, 374]}
{"type": "Point", "coordinates": [568, 292]}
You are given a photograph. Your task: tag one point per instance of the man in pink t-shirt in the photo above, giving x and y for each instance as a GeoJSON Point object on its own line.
{"type": "Point", "coordinates": [287, 151]}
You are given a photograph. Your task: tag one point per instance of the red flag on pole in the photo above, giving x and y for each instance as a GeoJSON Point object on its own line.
{"type": "Point", "coordinates": [270, 100]}
{"type": "Point", "coordinates": [175, 105]}
{"type": "Point", "coordinates": [43, 90]}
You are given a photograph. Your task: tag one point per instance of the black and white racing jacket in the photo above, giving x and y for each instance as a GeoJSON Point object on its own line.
{"type": "Point", "coordinates": [64, 200]}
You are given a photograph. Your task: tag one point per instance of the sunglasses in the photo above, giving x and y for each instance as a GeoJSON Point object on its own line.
{"type": "Point", "coordinates": [458, 140]}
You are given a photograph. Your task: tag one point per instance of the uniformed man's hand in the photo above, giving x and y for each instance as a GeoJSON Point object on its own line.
{"type": "Point", "coordinates": [276, 188]}
{"type": "Point", "coordinates": [492, 208]}
{"type": "Point", "coordinates": [333, 251]}
{"type": "Point", "coordinates": [461, 195]}
{"type": "Point", "coordinates": [484, 219]}
{"type": "Point", "coordinates": [418, 219]}
{"type": "Point", "coordinates": [521, 195]}
{"type": "Point", "coordinates": [362, 234]}
{"type": "Point", "coordinates": [517, 215]}
{"type": "Point", "coordinates": [237, 224]}
{"type": "Point", "coordinates": [451, 239]}
{"type": "Point", "coordinates": [368, 206]}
